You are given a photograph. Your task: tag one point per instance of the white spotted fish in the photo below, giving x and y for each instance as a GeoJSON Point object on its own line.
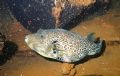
{"type": "Point", "coordinates": [63, 45]}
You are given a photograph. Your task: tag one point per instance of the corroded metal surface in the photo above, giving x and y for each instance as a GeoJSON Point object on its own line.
{"type": "Point", "coordinates": [46, 14]}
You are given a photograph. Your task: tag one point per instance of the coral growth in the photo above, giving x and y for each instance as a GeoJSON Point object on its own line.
{"type": "Point", "coordinates": [68, 69]}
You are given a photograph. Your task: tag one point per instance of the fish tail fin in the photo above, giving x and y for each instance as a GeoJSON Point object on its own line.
{"type": "Point", "coordinates": [97, 49]}
{"type": "Point", "coordinates": [99, 45]}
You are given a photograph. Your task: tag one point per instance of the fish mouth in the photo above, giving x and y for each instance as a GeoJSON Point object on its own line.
{"type": "Point", "coordinates": [43, 53]}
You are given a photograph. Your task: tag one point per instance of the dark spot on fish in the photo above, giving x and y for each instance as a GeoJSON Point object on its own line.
{"type": "Point", "coordinates": [41, 36]}
{"type": "Point", "coordinates": [54, 41]}
{"type": "Point", "coordinates": [59, 58]}
{"type": "Point", "coordinates": [54, 51]}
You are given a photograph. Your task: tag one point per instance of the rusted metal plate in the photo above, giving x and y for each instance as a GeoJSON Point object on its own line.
{"type": "Point", "coordinates": [46, 14]}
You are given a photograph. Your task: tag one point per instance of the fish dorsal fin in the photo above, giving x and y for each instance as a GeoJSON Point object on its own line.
{"type": "Point", "coordinates": [40, 30]}
{"type": "Point", "coordinates": [91, 37]}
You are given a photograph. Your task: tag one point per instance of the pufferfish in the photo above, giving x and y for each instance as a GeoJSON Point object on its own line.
{"type": "Point", "coordinates": [63, 45]}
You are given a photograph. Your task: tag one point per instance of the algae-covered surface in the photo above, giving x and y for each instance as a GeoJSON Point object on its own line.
{"type": "Point", "coordinates": [106, 26]}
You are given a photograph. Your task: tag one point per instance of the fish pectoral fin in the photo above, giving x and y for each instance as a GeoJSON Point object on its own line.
{"type": "Point", "coordinates": [50, 47]}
